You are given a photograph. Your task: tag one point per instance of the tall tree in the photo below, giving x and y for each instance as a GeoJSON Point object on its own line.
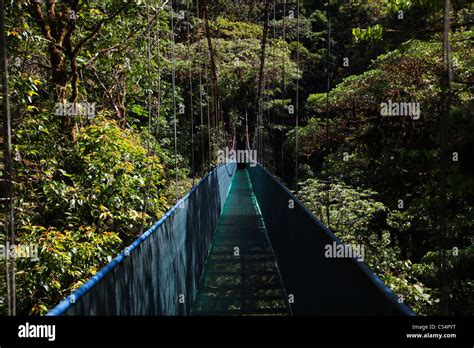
{"type": "Point", "coordinates": [7, 170]}
{"type": "Point", "coordinates": [57, 22]}
{"type": "Point", "coordinates": [215, 87]}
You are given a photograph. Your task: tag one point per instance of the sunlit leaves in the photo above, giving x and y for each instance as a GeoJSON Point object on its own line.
{"type": "Point", "coordinates": [65, 260]}
{"type": "Point", "coordinates": [369, 34]}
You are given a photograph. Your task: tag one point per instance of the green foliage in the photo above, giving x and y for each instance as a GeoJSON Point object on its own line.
{"type": "Point", "coordinates": [427, 5]}
{"type": "Point", "coordinates": [81, 184]}
{"type": "Point", "coordinates": [232, 30]}
{"type": "Point", "coordinates": [359, 219]}
{"type": "Point", "coordinates": [370, 34]}
{"type": "Point", "coordinates": [80, 204]}
{"type": "Point", "coordinates": [398, 157]}
{"type": "Point", "coordinates": [65, 260]}
{"type": "Point", "coordinates": [100, 180]}
{"type": "Point", "coordinates": [111, 170]}
{"type": "Point", "coordinates": [457, 290]}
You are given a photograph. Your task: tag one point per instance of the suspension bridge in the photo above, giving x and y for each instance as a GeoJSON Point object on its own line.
{"type": "Point", "coordinates": [234, 246]}
{"type": "Point", "coordinates": [239, 243]}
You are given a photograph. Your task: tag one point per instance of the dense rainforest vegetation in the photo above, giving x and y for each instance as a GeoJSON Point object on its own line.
{"type": "Point", "coordinates": [95, 86]}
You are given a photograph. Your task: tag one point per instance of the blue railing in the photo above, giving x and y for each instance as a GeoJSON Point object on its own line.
{"type": "Point", "coordinates": [158, 273]}
{"type": "Point", "coordinates": [319, 285]}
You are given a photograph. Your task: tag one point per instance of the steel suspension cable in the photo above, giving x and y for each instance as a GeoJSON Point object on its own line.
{"type": "Point", "coordinates": [213, 68]}
{"type": "Point", "coordinates": [148, 179]}
{"type": "Point", "coordinates": [258, 134]}
{"type": "Point", "coordinates": [200, 98]}
{"type": "Point", "coordinates": [267, 83]}
{"type": "Point", "coordinates": [297, 88]}
{"type": "Point", "coordinates": [7, 149]}
{"type": "Point", "coordinates": [274, 87]}
{"type": "Point", "coordinates": [327, 110]}
{"type": "Point", "coordinates": [284, 92]}
{"type": "Point", "coordinates": [173, 82]}
{"type": "Point", "coordinates": [158, 44]}
{"type": "Point", "coordinates": [266, 96]}
{"type": "Point", "coordinates": [202, 118]}
{"type": "Point", "coordinates": [191, 91]}
{"type": "Point", "coordinates": [209, 119]}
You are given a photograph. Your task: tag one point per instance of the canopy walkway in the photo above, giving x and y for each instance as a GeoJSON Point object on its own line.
{"type": "Point", "coordinates": [240, 275]}
{"type": "Point", "coordinates": [234, 246]}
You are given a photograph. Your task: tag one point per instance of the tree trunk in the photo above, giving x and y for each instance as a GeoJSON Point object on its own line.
{"type": "Point", "coordinates": [443, 138]}
{"type": "Point", "coordinates": [7, 171]}
{"type": "Point", "coordinates": [255, 121]}
{"type": "Point", "coordinates": [215, 87]}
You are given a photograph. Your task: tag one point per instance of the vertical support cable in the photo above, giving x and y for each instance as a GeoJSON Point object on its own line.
{"type": "Point", "coordinates": [260, 79]}
{"type": "Point", "coordinates": [173, 82]}
{"type": "Point", "coordinates": [202, 118]}
{"type": "Point", "coordinates": [191, 91]}
{"type": "Point", "coordinates": [284, 41]}
{"type": "Point", "coordinates": [247, 141]}
{"type": "Point", "coordinates": [328, 86]}
{"type": "Point", "coordinates": [213, 68]}
{"type": "Point", "coordinates": [443, 139]}
{"type": "Point", "coordinates": [265, 97]}
{"type": "Point", "coordinates": [148, 173]}
{"type": "Point", "coordinates": [200, 98]}
{"type": "Point", "coordinates": [297, 88]}
{"type": "Point", "coordinates": [274, 87]}
{"type": "Point", "coordinates": [7, 146]}
{"type": "Point", "coordinates": [284, 91]}
{"type": "Point", "coordinates": [209, 120]}
{"type": "Point", "coordinates": [158, 44]}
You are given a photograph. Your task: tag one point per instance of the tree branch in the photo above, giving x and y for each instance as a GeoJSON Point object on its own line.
{"type": "Point", "coordinates": [97, 28]}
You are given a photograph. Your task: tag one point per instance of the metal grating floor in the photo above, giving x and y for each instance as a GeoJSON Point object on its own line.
{"type": "Point", "coordinates": [240, 276]}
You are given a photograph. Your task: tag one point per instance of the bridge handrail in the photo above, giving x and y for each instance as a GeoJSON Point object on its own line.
{"type": "Point", "coordinates": [68, 302]}
{"type": "Point", "coordinates": [392, 298]}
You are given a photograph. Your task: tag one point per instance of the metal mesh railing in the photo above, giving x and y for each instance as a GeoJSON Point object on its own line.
{"type": "Point", "coordinates": [159, 273]}
{"type": "Point", "coordinates": [317, 285]}
{"type": "Point", "coordinates": [241, 277]}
